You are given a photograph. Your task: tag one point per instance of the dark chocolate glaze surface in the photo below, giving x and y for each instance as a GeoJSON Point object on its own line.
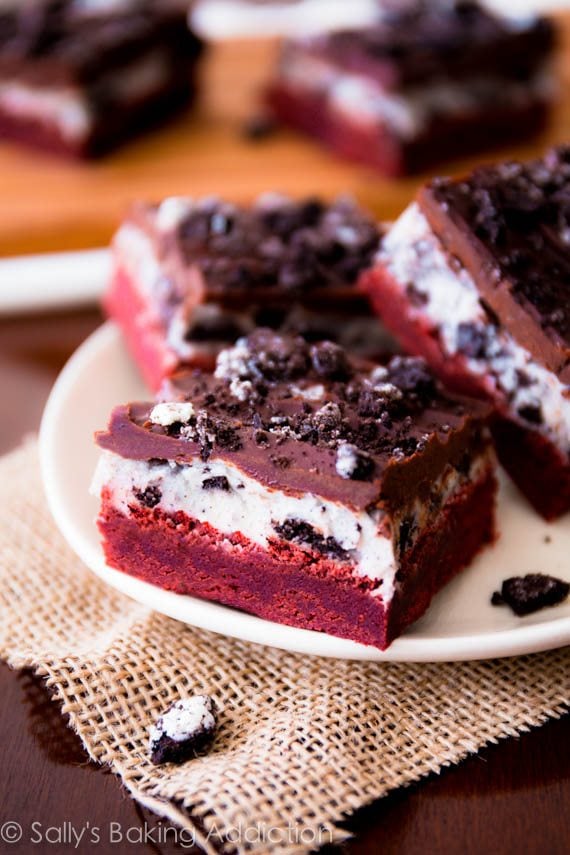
{"type": "Point", "coordinates": [509, 225]}
{"type": "Point", "coordinates": [375, 435]}
{"type": "Point", "coordinates": [278, 249]}
{"type": "Point", "coordinates": [64, 41]}
{"type": "Point", "coordinates": [413, 42]}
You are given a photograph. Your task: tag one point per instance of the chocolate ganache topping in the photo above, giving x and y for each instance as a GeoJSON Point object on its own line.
{"type": "Point", "coordinates": [52, 40]}
{"type": "Point", "coordinates": [291, 247]}
{"type": "Point", "coordinates": [416, 41]}
{"type": "Point", "coordinates": [509, 225]}
{"type": "Point", "coordinates": [306, 418]}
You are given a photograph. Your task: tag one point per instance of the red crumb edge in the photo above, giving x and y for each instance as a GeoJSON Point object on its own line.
{"type": "Point", "coordinates": [288, 585]}
{"type": "Point", "coordinates": [535, 465]}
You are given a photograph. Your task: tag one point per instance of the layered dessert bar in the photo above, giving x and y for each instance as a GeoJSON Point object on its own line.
{"type": "Point", "coordinates": [192, 276]}
{"type": "Point", "coordinates": [475, 277]}
{"type": "Point", "coordinates": [300, 485]}
{"type": "Point", "coordinates": [79, 76]}
{"type": "Point", "coordinates": [427, 81]}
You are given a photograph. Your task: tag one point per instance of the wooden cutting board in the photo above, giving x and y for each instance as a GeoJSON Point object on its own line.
{"type": "Point", "coordinates": [48, 204]}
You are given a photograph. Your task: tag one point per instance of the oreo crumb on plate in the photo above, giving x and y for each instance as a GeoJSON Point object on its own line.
{"type": "Point", "coordinates": [527, 594]}
{"type": "Point", "coordinates": [183, 730]}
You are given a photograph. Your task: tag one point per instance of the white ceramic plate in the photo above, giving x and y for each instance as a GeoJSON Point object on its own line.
{"type": "Point", "coordinates": [460, 624]}
{"type": "Point", "coordinates": [54, 280]}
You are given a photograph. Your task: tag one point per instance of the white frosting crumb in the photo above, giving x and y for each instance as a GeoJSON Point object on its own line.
{"type": "Point", "coordinates": [184, 719]}
{"type": "Point", "coordinates": [172, 211]}
{"type": "Point", "coordinates": [170, 413]}
{"type": "Point", "coordinates": [388, 390]}
{"type": "Point", "coordinates": [346, 460]}
{"type": "Point", "coordinates": [309, 393]}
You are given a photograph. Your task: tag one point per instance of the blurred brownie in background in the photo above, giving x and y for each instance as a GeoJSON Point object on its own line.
{"type": "Point", "coordinates": [79, 76]}
{"type": "Point", "coordinates": [192, 276]}
{"type": "Point", "coordinates": [427, 81]}
{"type": "Point", "coordinates": [475, 277]}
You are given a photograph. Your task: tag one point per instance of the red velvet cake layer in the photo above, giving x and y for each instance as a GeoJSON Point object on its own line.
{"type": "Point", "coordinates": [290, 585]}
{"type": "Point", "coordinates": [120, 126]}
{"type": "Point", "coordinates": [144, 335]}
{"type": "Point", "coordinates": [379, 147]}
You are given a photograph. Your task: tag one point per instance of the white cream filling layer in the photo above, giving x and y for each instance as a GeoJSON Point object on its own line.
{"type": "Point", "coordinates": [407, 112]}
{"type": "Point", "coordinates": [413, 256]}
{"type": "Point", "coordinates": [251, 509]}
{"type": "Point", "coordinates": [65, 108]}
{"type": "Point", "coordinates": [69, 109]}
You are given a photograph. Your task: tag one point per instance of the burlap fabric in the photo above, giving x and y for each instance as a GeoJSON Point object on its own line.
{"type": "Point", "coordinates": [302, 740]}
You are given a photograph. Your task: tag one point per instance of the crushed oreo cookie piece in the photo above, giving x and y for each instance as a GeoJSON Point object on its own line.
{"type": "Point", "coordinates": [330, 361]}
{"type": "Point", "coordinates": [149, 497]}
{"type": "Point", "coordinates": [217, 482]}
{"type": "Point", "coordinates": [527, 594]}
{"type": "Point", "coordinates": [298, 531]}
{"type": "Point", "coordinates": [187, 728]}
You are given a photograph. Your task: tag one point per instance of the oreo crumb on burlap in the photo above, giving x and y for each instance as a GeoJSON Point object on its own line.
{"type": "Point", "coordinates": [185, 729]}
{"type": "Point", "coordinates": [527, 594]}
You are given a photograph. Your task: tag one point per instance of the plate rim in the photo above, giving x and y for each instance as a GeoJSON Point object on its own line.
{"type": "Point", "coordinates": [514, 641]}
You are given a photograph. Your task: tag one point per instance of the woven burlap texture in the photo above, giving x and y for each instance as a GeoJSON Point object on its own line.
{"type": "Point", "coordinates": [302, 740]}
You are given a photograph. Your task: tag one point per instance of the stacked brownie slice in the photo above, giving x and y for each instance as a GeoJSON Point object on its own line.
{"type": "Point", "coordinates": [78, 76]}
{"type": "Point", "coordinates": [427, 81]}
{"type": "Point", "coordinates": [301, 485]}
{"type": "Point", "coordinates": [192, 276]}
{"type": "Point", "coordinates": [475, 277]}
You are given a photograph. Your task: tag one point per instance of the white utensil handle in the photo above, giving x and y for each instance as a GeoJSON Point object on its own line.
{"type": "Point", "coordinates": [53, 280]}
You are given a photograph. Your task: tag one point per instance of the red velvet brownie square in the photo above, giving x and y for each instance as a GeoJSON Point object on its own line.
{"type": "Point", "coordinates": [475, 277]}
{"type": "Point", "coordinates": [79, 76]}
{"type": "Point", "coordinates": [425, 82]}
{"type": "Point", "coordinates": [192, 276]}
{"type": "Point", "coordinates": [301, 486]}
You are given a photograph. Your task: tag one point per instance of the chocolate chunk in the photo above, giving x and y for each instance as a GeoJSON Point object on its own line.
{"type": "Point", "coordinates": [527, 594]}
{"type": "Point", "coordinates": [217, 482]}
{"type": "Point", "coordinates": [149, 497]}
{"type": "Point", "coordinates": [187, 728]}
{"type": "Point", "coordinates": [301, 532]}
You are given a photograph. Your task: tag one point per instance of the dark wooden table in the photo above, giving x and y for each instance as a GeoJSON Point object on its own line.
{"type": "Point", "coordinates": [511, 798]}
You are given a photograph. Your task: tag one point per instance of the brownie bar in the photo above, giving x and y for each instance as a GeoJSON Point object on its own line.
{"type": "Point", "coordinates": [301, 485]}
{"type": "Point", "coordinates": [474, 276]}
{"type": "Point", "coordinates": [78, 77]}
{"type": "Point", "coordinates": [426, 82]}
{"type": "Point", "coordinates": [192, 276]}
